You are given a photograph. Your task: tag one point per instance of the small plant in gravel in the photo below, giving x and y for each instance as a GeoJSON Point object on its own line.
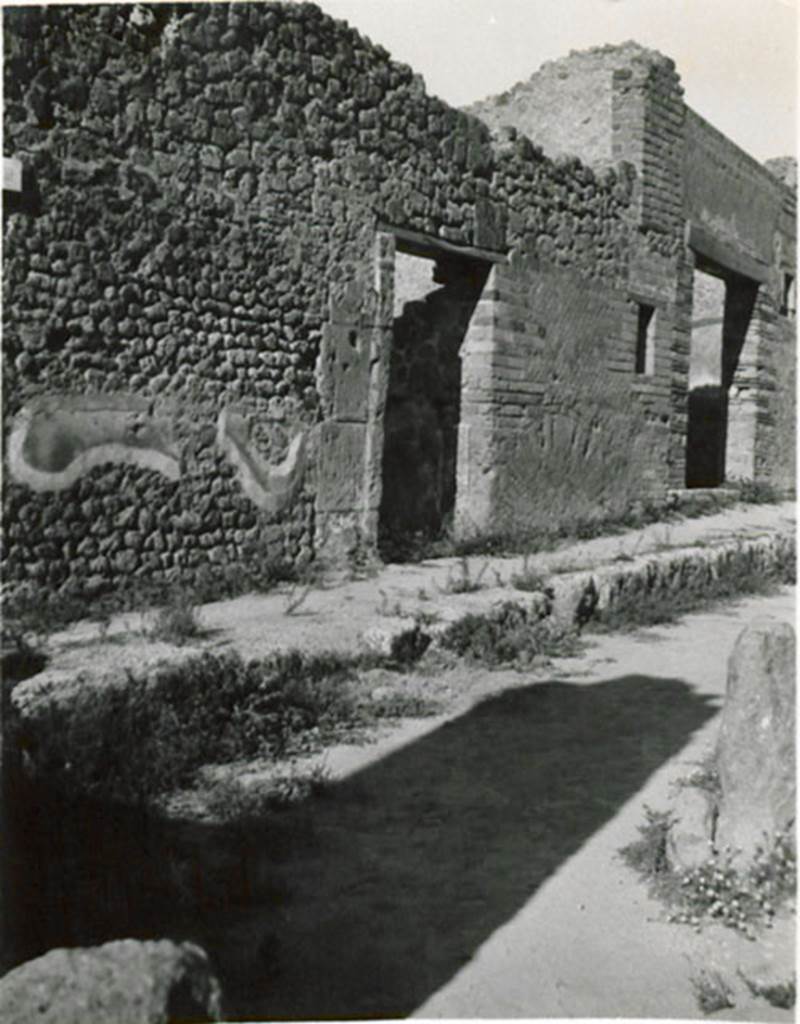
{"type": "Point", "coordinates": [389, 610]}
{"type": "Point", "coordinates": [150, 732]}
{"type": "Point", "coordinates": [177, 620]}
{"type": "Point", "coordinates": [720, 889]}
{"type": "Point", "coordinates": [231, 800]}
{"type": "Point", "coordinates": [756, 492]}
{"type": "Point", "coordinates": [361, 561]}
{"type": "Point", "coordinates": [296, 597]}
{"type": "Point", "coordinates": [711, 991]}
{"type": "Point", "coordinates": [463, 582]}
{"type": "Point", "coordinates": [705, 776]}
{"type": "Point", "coordinates": [779, 994]}
{"type": "Point", "coordinates": [509, 634]}
{"type": "Point", "coordinates": [528, 578]}
{"type": "Point", "coordinates": [647, 855]}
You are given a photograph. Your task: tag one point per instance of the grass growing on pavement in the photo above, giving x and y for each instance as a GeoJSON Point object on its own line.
{"type": "Point", "coordinates": [711, 991]}
{"type": "Point", "coordinates": [234, 801]}
{"type": "Point", "coordinates": [507, 635]}
{"type": "Point", "coordinates": [779, 994]}
{"type": "Point", "coordinates": [177, 620]}
{"type": "Point", "coordinates": [693, 585]}
{"type": "Point", "coordinates": [721, 889]}
{"type": "Point", "coordinates": [463, 582]}
{"type": "Point", "coordinates": [529, 578]}
{"type": "Point", "coordinates": [150, 734]}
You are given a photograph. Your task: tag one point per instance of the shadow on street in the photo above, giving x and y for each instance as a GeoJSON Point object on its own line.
{"type": "Point", "coordinates": [411, 864]}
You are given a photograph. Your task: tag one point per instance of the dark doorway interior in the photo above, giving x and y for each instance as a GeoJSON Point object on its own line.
{"type": "Point", "coordinates": [434, 302]}
{"type": "Point", "coordinates": [722, 310]}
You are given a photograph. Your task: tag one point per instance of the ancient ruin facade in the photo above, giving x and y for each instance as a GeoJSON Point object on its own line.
{"type": "Point", "coordinates": [262, 293]}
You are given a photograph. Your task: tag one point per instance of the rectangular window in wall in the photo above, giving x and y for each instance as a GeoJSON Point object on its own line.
{"type": "Point", "coordinates": [646, 340]}
{"type": "Point", "coordinates": [789, 296]}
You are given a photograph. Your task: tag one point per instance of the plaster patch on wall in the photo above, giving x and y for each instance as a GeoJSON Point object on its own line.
{"type": "Point", "coordinates": [270, 487]}
{"type": "Point", "coordinates": [57, 440]}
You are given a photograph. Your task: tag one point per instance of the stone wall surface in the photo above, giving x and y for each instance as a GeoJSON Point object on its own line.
{"type": "Point", "coordinates": [580, 84]}
{"type": "Point", "coordinates": [198, 281]}
{"type": "Point", "coordinates": [578, 432]}
{"type": "Point", "coordinates": [730, 194]}
{"type": "Point", "coordinates": [202, 184]}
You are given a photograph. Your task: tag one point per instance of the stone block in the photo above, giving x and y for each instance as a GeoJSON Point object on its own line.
{"type": "Point", "coordinates": [137, 982]}
{"type": "Point", "coordinates": [756, 746]}
{"type": "Point", "coordinates": [341, 466]}
{"type": "Point", "coordinates": [345, 365]}
{"type": "Point", "coordinates": [691, 833]}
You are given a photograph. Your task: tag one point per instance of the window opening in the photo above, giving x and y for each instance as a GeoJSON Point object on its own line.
{"type": "Point", "coordinates": [646, 340]}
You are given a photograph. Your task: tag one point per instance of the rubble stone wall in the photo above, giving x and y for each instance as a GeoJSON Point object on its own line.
{"type": "Point", "coordinates": [198, 284]}
{"type": "Point", "coordinates": [196, 231]}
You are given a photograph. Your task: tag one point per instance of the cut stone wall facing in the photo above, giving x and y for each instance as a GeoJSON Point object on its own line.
{"type": "Point", "coordinates": [729, 193]}
{"type": "Point", "coordinates": [572, 437]}
{"type": "Point", "coordinates": [684, 204]}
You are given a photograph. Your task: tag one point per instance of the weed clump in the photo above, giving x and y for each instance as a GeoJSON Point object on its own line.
{"type": "Point", "coordinates": [647, 855]}
{"type": "Point", "coordinates": [528, 579]}
{"type": "Point", "coordinates": [150, 733]}
{"type": "Point", "coordinates": [463, 582]}
{"type": "Point", "coordinates": [21, 658]}
{"type": "Point", "coordinates": [231, 800]}
{"type": "Point", "coordinates": [711, 991]}
{"type": "Point", "coordinates": [779, 994]}
{"type": "Point", "coordinates": [756, 492]}
{"type": "Point", "coordinates": [176, 621]}
{"type": "Point", "coordinates": [507, 635]}
{"type": "Point", "coordinates": [691, 585]}
{"type": "Point", "coordinates": [409, 646]}
{"type": "Point", "coordinates": [744, 897]}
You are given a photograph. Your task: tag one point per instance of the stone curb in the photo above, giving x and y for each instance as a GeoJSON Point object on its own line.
{"type": "Point", "coordinates": [575, 598]}
{"type": "Point", "coordinates": [572, 599]}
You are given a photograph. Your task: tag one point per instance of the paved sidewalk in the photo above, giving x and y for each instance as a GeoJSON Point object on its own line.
{"type": "Point", "coordinates": [337, 616]}
{"type": "Point", "coordinates": [466, 866]}
{"type": "Point", "coordinates": [588, 943]}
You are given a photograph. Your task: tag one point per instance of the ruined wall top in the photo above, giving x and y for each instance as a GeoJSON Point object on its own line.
{"type": "Point", "coordinates": [566, 106]}
{"type": "Point", "coordinates": [784, 168]}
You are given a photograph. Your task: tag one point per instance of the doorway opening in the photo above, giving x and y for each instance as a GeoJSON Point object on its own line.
{"type": "Point", "coordinates": [434, 300]}
{"type": "Point", "coordinates": [719, 398]}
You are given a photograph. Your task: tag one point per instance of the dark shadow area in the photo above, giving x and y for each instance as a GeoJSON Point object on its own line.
{"type": "Point", "coordinates": [705, 437]}
{"type": "Point", "coordinates": [717, 340]}
{"type": "Point", "coordinates": [366, 900]}
{"type": "Point", "coordinates": [423, 407]}
{"type": "Point", "coordinates": [414, 862]}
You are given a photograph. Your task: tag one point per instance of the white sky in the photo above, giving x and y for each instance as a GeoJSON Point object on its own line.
{"type": "Point", "coordinates": [737, 58]}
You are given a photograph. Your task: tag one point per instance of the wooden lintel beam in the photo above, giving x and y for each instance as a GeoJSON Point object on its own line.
{"type": "Point", "coordinates": [417, 244]}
